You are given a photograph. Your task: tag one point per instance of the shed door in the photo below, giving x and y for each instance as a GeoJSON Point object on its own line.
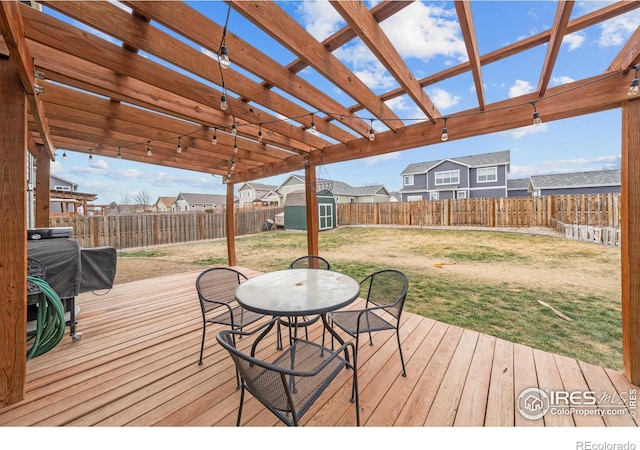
{"type": "Point", "coordinates": [325, 216]}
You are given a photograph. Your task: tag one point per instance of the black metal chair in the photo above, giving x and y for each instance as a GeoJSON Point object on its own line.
{"type": "Point", "coordinates": [291, 383]}
{"type": "Point", "coordinates": [216, 291]}
{"type": "Point", "coordinates": [304, 262]}
{"type": "Point", "coordinates": [386, 291]}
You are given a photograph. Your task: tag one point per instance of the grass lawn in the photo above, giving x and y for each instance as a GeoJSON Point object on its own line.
{"type": "Point", "coordinates": [487, 281]}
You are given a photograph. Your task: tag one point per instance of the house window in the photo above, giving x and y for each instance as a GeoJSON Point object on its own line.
{"type": "Point", "coordinates": [325, 216]}
{"type": "Point", "coordinates": [433, 196]}
{"type": "Point", "coordinates": [408, 180]}
{"type": "Point", "coordinates": [448, 177]}
{"type": "Point", "coordinates": [487, 174]}
{"type": "Point", "coordinates": [62, 188]}
{"type": "Point", "coordinates": [414, 198]}
{"type": "Point", "coordinates": [461, 194]}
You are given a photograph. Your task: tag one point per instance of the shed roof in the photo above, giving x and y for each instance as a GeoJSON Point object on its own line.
{"type": "Point", "coordinates": [576, 179]}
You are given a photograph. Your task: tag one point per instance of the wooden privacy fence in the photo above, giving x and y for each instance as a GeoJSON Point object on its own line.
{"type": "Point", "coordinates": [142, 230]}
{"type": "Point", "coordinates": [601, 210]}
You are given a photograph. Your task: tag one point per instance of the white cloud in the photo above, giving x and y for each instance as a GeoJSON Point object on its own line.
{"type": "Point", "coordinates": [424, 31]}
{"type": "Point", "coordinates": [443, 99]}
{"type": "Point", "coordinates": [520, 87]}
{"type": "Point", "coordinates": [556, 81]}
{"type": "Point", "coordinates": [518, 133]}
{"type": "Point", "coordinates": [615, 31]}
{"type": "Point", "coordinates": [381, 158]}
{"type": "Point", "coordinates": [574, 40]}
{"type": "Point", "coordinates": [320, 19]}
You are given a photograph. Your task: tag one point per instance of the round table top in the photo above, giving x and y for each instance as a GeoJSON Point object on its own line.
{"type": "Point", "coordinates": [297, 292]}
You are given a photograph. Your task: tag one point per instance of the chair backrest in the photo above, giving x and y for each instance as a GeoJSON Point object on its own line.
{"type": "Point", "coordinates": [265, 382]}
{"type": "Point", "coordinates": [386, 287]}
{"type": "Point", "coordinates": [310, 262]}
{"type": "Point", "coordinates": [216, 286]}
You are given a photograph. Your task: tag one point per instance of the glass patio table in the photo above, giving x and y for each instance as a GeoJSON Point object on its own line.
{"type": "Point", "coordinates": [298, 292]}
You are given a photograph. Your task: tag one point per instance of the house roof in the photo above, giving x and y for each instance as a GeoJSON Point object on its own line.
{"type": "Point", "coordinates": [479, 160]}
{"type": "Point", "coordinates": [203, 199]}
{"type": "Point", "coordinates": [258, 186]}
{"type": "Point", "coordinates": [576, 179]}
{"type": "Point", "coordinates": [341, 188]}
{"type": "Point", "coordinates": [56, 177]}
{"type": "Point", "coordinates": [118, 74]}
{"type": "Point", "coordinates": [518, 183]}
{"type": "Point", "coordinates": [165, 200]}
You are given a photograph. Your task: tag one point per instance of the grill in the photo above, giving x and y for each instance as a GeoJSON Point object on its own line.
{"type": "Point", "coordinates": [68, 269]}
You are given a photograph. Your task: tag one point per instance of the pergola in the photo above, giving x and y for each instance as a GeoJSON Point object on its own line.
{"type": "Point", "coordinates": [64, 87]}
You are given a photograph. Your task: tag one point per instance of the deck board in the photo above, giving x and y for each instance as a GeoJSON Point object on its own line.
{"type": "Point", "coordinates": [137, 365]}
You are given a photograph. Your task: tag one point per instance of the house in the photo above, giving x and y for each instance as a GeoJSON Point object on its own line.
{"type": "Point", "coordinates": [343, 192]}
{"type": "Point", "coordinates": [255, 195]}
{"type": "Point", "coordinates": [198, 202]}
{"type": "Point", "coordinates": [295, 211]}
{"type": "Point", "coordinates": [475, 176]}
{"type": "Point", "coordinates": [518, 187]}
{"type": "Point", "coordinates": [592, 182]}
{"type": "Point", "coordinates": [65, 200]}
{"type": "Point", "coordinates": [163, 204]}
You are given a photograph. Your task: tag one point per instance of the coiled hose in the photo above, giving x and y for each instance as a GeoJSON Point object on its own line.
{"type": "Point", "coordinates": [51, 324]}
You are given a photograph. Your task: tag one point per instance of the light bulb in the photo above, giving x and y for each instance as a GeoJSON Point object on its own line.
{"type": "Point", "coordinates": [445, 135]}
{"type": "Point", "coordinates": [179, 148]}
{"type": "Point", "coordinates": [214, 139]}
{"type": "Point", "coordinates": [223, 102]}
{"type": "Point", "coordinates": [90, 156]}
{"type": "Point", "coordinates": [223, 58]}
{"type": "Point", "coordinates": [64, 155]}
{"type": "Point", "coordinates": [119, 153]}
{"type": "Point", "coordinates": [235, 148]}
{"type": "Point", "coordinates": [234, 130]}
{"type": "Point", "coordinates": [536, 118]}
{"type": "Point", "coordinates": [372, 136]}
{"type": "Point", "coordinates": [149, 148]}
{"type": "Point", "coordinates": [633, 88]}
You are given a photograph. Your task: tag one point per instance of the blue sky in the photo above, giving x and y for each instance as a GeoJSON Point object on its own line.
{"type": "Point", "coordinates": [428, 36]}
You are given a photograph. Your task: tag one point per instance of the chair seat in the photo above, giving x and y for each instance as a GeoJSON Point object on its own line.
{"type": "Point", "coordinates": [369, 321]}
{"type": "Point", "coordinates": [303, 321]}
{"type": "Point", "coordinates": [241, 317]}
{"type": "Point", "coordinates": [302, 357]}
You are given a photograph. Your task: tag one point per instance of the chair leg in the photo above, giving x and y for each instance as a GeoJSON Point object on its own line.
{"type": "Point", "coordinates": [204, 328]}
{"type": "Point", "coordinates": [404, 372]}
{"type": "Point", "coordinates": [240, 406]}
{"type": "Point", "coordinates": [278, 336]}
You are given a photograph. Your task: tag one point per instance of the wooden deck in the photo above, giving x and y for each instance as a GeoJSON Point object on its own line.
{"type": "Point", "coordinates": [136, 365]}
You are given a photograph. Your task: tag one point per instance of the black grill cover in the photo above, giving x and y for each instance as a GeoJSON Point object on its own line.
{"type": "Point", "coordinates": [61, 258]}
{"type": "Point", "coordinates": [98, 268]}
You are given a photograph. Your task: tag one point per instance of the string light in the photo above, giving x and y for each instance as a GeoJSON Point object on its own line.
{"type": "Point", "coordinates": [214, 139]}
{"type": "Point", "coordinates": [313, 124]}
{"type": "Point", "coordinates": [223, 57]}
{"type": "Point", "coordinates": [260, 133]}
{"type": "Point", "coordinates": [179, 148]}
{"type": "Point", "coordinates": [633, 87]}
{"type": "Point", "coordinates": [445, 134]}
{"type": "Point", "coordinates": [90, 155]}
{"type": "Point", "coordinates": [119, 153]}
{"type": "Point", "coordinates": [235, 146]}
{"type": "Point", "coordinates": [149, 148]}
{"type": "Point", "coordinates": [372, 136]}
{"type": "Point", "coordinates": [536, 115]}
{"type": "Point", "coordinates": [224, 105]}
{"type": "Point", "coordinates": [64, 155]}
{"type": "Point", "coordinates": [234, 130]}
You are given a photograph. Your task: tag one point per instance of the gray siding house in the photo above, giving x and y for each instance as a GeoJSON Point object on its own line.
{"type": "Point", "coordinates": [257, 194]}
{"type": "Point", "coordinates": [198, 202]}
{"type": "Point", "coordinates": [476, 176]}
{"type": "Point", "coordinates": [592, 182]}
{"type": "Point", "coordinates": [518, 187]}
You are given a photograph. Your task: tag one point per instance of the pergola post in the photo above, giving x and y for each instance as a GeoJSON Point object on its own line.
{"type": "Point", "coordinates": [630, 239]}
{"type": "Point", "coordinates": [13, 239]}
{"type": "Point", "coordinates": [43, 174]}
{"type": "Point", "coordinates": [230, 225]}
{"type": "Point", "coordinates": [311, 200]}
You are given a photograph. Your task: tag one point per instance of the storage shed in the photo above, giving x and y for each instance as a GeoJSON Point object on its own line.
{"type": "Point", "coordinates": [295, 211]}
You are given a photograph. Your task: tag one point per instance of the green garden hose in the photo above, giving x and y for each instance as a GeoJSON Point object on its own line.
{"type": "Point", "coordinates": [51, 324]}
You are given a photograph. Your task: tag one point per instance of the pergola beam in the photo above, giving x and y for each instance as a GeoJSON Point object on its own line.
{"type": "Point", "coordinates": [465, 17]}
{"type": "Point", "coordinates": [563, 13]}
